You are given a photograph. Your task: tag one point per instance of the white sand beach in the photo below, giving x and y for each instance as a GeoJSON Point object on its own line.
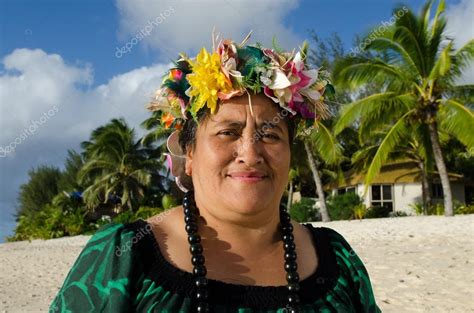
{"type": "Point", "coordinates": [416, 264]}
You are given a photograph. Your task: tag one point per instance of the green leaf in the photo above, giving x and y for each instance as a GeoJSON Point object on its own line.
{"type": "Point", "coordinates": [458, 120]}
{"type": "Point", "coordinates": [390, 141]}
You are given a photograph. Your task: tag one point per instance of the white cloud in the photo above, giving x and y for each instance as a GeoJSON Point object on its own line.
{"type": "Point", "coordinates": [35, 83]}
{"type": "Point", "coordinates": [186, 26]}
{"type": "Point", "coordinates": [461, 27]}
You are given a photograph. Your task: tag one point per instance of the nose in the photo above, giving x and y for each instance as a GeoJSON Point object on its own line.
{"type": "Point", "coordinates": [249, 149]}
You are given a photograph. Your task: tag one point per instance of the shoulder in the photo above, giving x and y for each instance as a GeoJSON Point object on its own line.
{"type": "Point", "coordinates": [166, 225]}
{"type": "Point", "coordinates": [333, 237]}
{"type": "Point", "coordinates": [106, 262]}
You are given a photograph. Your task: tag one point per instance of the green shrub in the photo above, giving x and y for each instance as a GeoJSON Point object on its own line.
{"type": "Point", "coordinates": [378, 211]}
{"type": "Point", "coordinates": [464, 209]}
{"type": "Point", "coordinates": [417, 207]}
{"type": "Point", "coordinates": [438, 208]}
{"type": "Point", "coordinates": [341, 207]}
{"type": "Point", "coordinates": [145, 212]}
{"type": "Point", "coordinates": [303, 211]}
{"type": "Point", "coordinates": [50, 222]}
{"type": "Point", "coordinates": [359, 211]}
{"type": "Point", "coordinates": [398, 214]}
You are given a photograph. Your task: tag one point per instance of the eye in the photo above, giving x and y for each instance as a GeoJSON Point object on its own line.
{"type": "Point", "coordinates": [271, 136]}
{"type": "Point", "coordinates": [231, 133]}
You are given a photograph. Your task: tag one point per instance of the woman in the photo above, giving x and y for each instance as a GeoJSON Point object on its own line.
{"type": "Point", "coordinates": [231, 246]}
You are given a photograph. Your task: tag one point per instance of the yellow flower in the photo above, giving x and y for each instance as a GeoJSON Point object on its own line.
{"type": "Point", "coordinates": [207, 80]}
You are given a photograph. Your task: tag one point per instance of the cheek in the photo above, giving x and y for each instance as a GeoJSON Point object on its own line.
{"type": "Point", "coordinates": [279, 160]}
{"type": "Point", "coordinates": [214, 154]}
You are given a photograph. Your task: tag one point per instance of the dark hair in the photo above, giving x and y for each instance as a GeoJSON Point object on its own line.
{"type": "Point", "coordinates": [187, 135]}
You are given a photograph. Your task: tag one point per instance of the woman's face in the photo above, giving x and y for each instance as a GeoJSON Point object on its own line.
{"type": "Point", "coordinates": [241, 161]}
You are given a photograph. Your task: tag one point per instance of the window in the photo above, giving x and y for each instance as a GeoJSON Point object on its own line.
{"type": "Point", "coordinates": [437, 191]}
{"type": "Point", "coordinates": [344, 190]}
{"type": "Point", "coordinates": [382, 196]}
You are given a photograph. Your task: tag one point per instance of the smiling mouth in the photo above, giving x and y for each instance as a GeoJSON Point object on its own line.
{"type": "Point", "coordinates": [247, 179]}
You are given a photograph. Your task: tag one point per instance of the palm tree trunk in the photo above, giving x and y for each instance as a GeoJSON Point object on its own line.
{"type": "Point", "coordinates": [130, 204]}
{"type": "Point", "coordinates": [443, 173]}
{"type": "Point", "coordinates": [425, 186]}
{"type": "Point", "coordinates": [319, 185]}
{"type": "Point", "coordinates": [290, 196]}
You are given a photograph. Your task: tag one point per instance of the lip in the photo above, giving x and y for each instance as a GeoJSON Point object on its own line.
{"type": "Point", "coordinates": [249, 176]}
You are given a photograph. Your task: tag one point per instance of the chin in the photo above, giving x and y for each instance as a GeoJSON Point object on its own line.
{"type": "Point", "coordinates": [250, 201]}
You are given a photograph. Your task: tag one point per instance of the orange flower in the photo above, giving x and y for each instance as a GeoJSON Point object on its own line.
{"type": "Point", "coordinates": [167, 119]}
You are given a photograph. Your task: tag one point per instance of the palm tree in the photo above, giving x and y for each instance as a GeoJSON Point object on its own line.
{"type": "Point", "coordinates": [416, 67]}
{"type": "Point", "coordinates": [321, 147]}
{"type": "Point", "coordinates": [116, 166]}
{"type": "Point", "coordinates": [323, 152]}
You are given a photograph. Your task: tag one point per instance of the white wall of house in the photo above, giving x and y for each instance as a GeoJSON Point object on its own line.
{"type": "Point", "coordinates": [360, 192]}
{"type": "Point", "coordinates": [403, 195]}
{"type": "Point", "coordinates": [406, 194]}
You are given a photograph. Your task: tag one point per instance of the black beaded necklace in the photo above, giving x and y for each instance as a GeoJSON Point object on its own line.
{"type": "Point", "coordinates": [191, 214]}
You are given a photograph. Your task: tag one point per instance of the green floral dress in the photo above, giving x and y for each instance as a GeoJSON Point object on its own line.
{"type": "Point", "coordinates": [122, 269]}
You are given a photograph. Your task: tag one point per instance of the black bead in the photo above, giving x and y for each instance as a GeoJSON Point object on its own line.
{"type": "Point", "coordinates": [291, 266]}
{"type": "Point", "coordinates": [203, 307]}
{"type": "Point", "coordinates": [287, 228]}
{"type": "Point", "coordinates": [188, 211]}
{"type": "Point", "coordinates": [200, 270]}
{"type": "Point", "coordinates": [202, 294]}
{"type": "Point", "coordinates": [191, 228]}
{"type": "Point", "coordinates": [198, 259]}
{"type": "Point", "coordinates": [293, 298]}
{"type": "Point", "coordinates": [288, 238]}
{"type": "Point", "coordinates": [194, 238]}
{"type": "Point", "coordinates": [285, 218]}
{"type": "Point", "coordinates": [201, 282]}
{"type": "Point", "coordinates": [187, 203]}
{"type": "Point", "coordinates": [290, 256]}
{"type": "Point", "coordinates": [293, 287]}
{"type": "Point", "coordinates": [195, 248]}
{"type": "Point", "coordinates": [289, 246]}
{"type": "Point", "coordinates": [190, 218]}
{"type": "Point", "coordinates": [292, 277]}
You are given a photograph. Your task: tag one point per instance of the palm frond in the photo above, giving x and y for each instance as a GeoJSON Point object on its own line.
{"type": "Point", "coordinates": [328, 148]}
{"type": "Point", "coordinates": [458, 121]}
{"type": "Point", "coordinates": [387, 44]}
{"type": "Point", "coordinates": [397, 132]}
{"type": "Point", "coordinates": [373, 105]}
{"type": "Point", "coordinates": [356, 71]}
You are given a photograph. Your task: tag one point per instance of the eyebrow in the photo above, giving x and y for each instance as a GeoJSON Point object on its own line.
{"type": "Point", "coordinates": [234, 123]}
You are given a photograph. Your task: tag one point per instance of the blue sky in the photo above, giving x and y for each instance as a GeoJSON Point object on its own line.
{"type": "Point", "coordinates": [61, 57]}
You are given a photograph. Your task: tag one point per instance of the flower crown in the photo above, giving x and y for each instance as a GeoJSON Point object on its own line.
{"type": "Point", "coordinates": [232, 69]}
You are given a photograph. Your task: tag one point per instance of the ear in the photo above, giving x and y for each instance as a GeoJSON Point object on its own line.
{"type": "Point", "coordinates": [188, 168]}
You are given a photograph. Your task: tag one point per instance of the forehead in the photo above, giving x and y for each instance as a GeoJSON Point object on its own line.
{"type": "Point", "coordinates": [238, 109]}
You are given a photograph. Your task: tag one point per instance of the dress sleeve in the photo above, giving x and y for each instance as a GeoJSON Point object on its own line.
{"type": "Point", "coordinates": [355, 274]}
{"type": "Point", "coordinates": [100, 279]}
